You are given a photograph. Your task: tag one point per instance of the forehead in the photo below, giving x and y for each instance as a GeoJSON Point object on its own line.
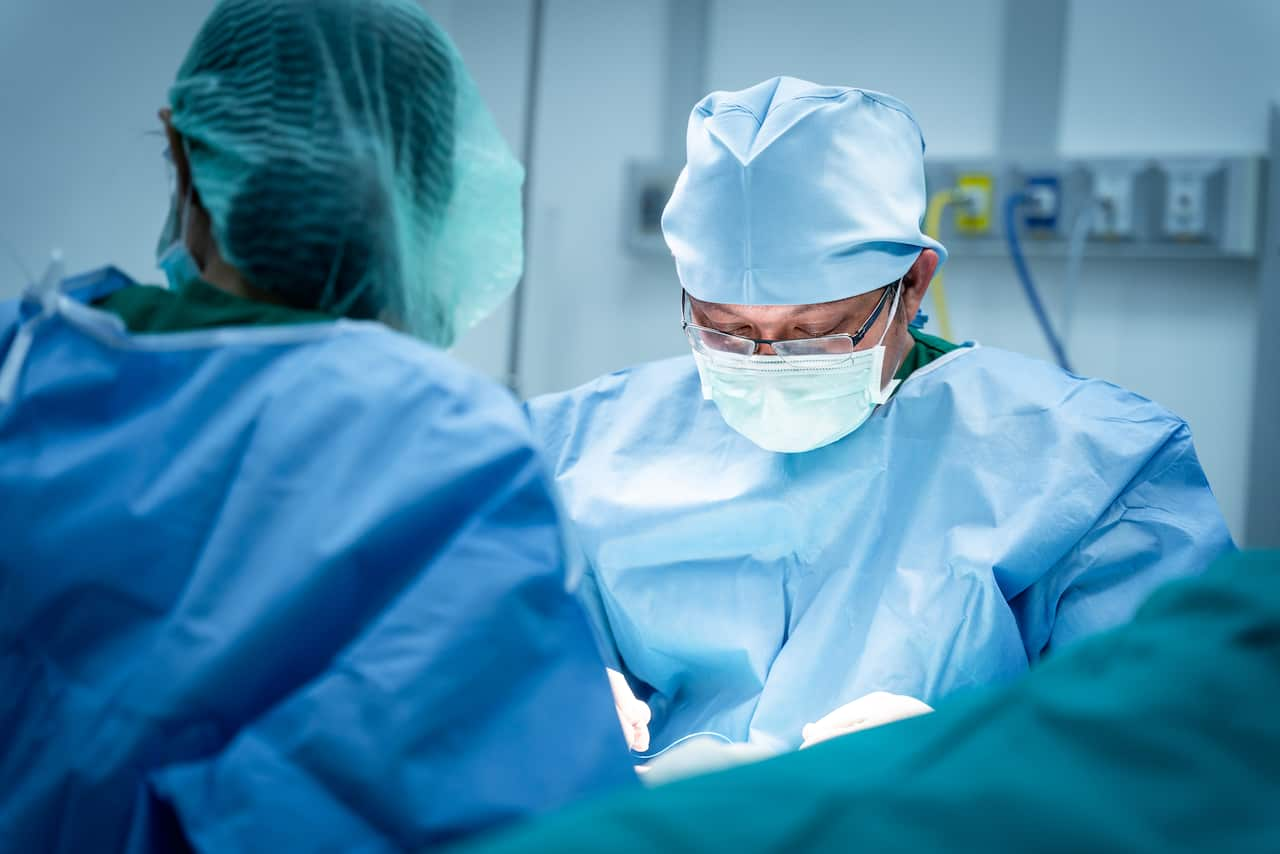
{"type": "Point", "coordinates": [813, 311]}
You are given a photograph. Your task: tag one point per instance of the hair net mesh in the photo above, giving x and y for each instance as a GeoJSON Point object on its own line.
{"type": "Point", "coordinates": [348, 164]}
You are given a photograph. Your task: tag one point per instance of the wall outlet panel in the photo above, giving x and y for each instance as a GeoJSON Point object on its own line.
{"type": "Point", "coordinates": [1175, 207]}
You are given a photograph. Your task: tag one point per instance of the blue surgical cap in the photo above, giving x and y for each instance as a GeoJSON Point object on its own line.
{"type": "Point", "coordinates": [796, 193]}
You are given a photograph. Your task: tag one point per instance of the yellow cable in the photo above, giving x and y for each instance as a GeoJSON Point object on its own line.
{"type": "Point", "coordinates": [933, 227]}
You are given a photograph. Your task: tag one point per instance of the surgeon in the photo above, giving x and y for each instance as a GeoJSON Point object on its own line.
{"type": "Point", "coordinates": [276, 576]}
{"type": "Point", "coordinates": [825, 519]}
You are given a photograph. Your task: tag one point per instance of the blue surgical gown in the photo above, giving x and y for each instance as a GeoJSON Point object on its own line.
{"type": "Point", "coordinates": [288, 588]}
{"type": "Point", "coordinates": [994, 509]}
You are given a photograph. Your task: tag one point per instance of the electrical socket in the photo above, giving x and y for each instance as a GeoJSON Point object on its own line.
{"type": "Point", "coordinates": [1186, 200]}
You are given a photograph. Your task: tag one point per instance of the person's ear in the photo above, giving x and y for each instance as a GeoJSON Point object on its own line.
{"type": "Point", "coordinates": [915, 284]}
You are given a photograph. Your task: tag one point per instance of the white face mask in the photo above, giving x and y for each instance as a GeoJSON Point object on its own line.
{"type": "Point", "coordinates": [799, 404]}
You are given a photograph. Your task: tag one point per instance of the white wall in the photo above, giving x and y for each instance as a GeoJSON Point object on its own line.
{"type": "Point", "coordinates": [593, 307]}
{"type": "Point", "coordinates": [81, 165]}
{"type": "Point", "coordinates": [941, 57]}
{"type": "Point", "coordinates": [1169, 76]}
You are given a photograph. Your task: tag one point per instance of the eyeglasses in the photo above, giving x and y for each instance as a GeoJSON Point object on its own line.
{"type": "Point", "coordinates": [838, 347]}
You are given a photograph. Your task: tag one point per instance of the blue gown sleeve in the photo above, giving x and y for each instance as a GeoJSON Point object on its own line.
{"type": "Point", "coordinates": [472, 697]}
{"type": "Point", "coordinates": [1164, 525]}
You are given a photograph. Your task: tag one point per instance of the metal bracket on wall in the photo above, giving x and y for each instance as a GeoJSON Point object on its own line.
{"type": "Point", "coordinates": [1262, 522]}
{"type": "Point", "coordinates": [650, 182]}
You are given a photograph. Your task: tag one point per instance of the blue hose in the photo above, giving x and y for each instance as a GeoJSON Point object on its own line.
{"type": "Point", "coordinates": [1024, 276]}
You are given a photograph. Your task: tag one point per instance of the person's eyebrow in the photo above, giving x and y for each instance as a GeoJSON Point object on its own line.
{"type": "Point", "coordinates": [718, 310]}
{"type": "Point", "coordinates": [796, 313]}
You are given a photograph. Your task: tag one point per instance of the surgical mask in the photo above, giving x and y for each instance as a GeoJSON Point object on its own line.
{"type": "Point", "coordinates": [179, 267]}
{"type": "Point", "coordinates": [799, 404]}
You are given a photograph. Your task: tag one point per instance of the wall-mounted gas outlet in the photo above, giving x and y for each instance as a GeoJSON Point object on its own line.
{"type": "Point", "coordinates": [973, 208]}
{"type": "Point", "coordinates": [1044, 202]}
{"type": "Point", "coordinates": [1114, 190]}
{"type": "Point", "coordinates": [1186, 199]}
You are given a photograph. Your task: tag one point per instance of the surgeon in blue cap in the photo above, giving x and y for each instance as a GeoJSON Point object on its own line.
{"type": "Point", "coordinates": [825, 519]}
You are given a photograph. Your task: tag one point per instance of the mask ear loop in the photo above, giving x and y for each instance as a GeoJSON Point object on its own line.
{"type": "Point", "coordinates": [893, 311]}
{"type": "Point", "coordinates": [887, 390]}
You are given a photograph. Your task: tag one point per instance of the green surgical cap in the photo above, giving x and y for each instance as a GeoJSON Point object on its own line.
{"type": "Point", "coordinates": [348, 164]}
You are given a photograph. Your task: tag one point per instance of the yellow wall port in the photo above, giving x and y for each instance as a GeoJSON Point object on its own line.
{"type": "Point", "coordinates": [973, 215]}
